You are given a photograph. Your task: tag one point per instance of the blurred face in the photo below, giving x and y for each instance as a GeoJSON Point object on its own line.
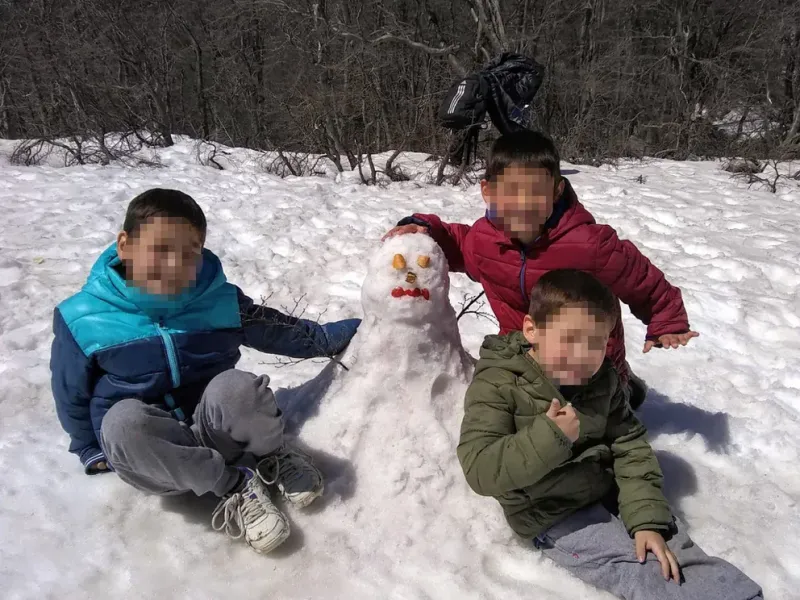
{"type": "Point", "coordinates": [520, 200]}
{"type": "Point", "coordinates": [162, 257]}
{"type": "Point", "coordinates": [571, 346]}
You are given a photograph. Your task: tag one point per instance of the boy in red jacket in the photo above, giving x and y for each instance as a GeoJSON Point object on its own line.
{"type": "Point", "coordinates": [534, 223]}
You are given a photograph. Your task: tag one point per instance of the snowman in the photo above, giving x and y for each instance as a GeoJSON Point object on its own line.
{"type": "Point", "coordinates": [395, 413]}
{"type": "Point", "coordinates": [397, 508]}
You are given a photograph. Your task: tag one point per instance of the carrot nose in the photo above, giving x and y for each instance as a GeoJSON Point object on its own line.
{"type": "Point", "coordinates": [411, 277]}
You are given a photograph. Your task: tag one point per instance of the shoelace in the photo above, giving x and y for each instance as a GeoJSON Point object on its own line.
{"type": "Point", "coordinates": [237, 511]}
{"type": "Point", "coordinates": [284, 468]}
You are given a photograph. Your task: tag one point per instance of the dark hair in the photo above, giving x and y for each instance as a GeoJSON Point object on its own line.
{"type": "Point", "coordinates": [565, 287]}
{"type": "Point", "coordinates": [526, 148]}
{"type": "Point", "coordinates": [163, 203]}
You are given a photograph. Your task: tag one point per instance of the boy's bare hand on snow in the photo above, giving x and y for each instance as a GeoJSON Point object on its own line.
{"type": "Point", "coordinates": [566, 418]}
{"type": "Point", "coordinates": [653, 541]}
{"type": "Point", "coordinates": [405, 229]}
{"type": "Point", "coordinates": [670, 340]}
{"type": "Point", "coordinates": [100, 467]}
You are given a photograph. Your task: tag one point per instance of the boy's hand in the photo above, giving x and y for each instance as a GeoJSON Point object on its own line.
{"type": "Point", "coordinates": [566, 418]}
{"type": "Point", "coordinates": [670, 340]}
{"type": "Point", "coordinates": [405, 229]}
{"type": "Point", "coordinates": [654, 542]}
{"type": "Point", "coordinates": [100, 467]}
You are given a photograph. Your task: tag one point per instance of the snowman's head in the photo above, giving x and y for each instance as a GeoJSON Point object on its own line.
{"type": "Point", "coordinates": [407, 280]}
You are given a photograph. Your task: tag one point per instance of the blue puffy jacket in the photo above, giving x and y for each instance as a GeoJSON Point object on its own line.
{"type": "Point", "coordinates": [113, 342]}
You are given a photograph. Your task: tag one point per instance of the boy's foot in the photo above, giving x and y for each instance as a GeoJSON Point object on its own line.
{"type": "Point", "coordinates": [638, 390]}
{"type": "Point", "coordinates": [295, 475]}
{"type": "Point", "coordinates": [249, 512]}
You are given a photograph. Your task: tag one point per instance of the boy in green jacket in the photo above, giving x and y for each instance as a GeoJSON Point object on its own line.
{"type": "Point", "coordinates": [548, 432]}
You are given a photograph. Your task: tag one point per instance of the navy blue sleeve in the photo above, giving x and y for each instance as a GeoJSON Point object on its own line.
{"type": "Point", "coordinates": [269, 330]}
{"type": "Point", "coordinates": [72, 380]}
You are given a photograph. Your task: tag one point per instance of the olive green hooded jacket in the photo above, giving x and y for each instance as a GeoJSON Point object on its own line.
{"type": "Point", "coordinates": [511, 450]}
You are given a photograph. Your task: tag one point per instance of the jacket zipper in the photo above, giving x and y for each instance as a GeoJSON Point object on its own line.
{"type": "Point", "coordinates": [174, 371]}
{"type": "Point", "coordinates": [172, 356]}
{"type": "Point", "coordinates": [522, 276]}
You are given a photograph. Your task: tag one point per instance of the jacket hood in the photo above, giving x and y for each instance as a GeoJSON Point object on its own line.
{"type": "Point", "coordinates": [511, 353]}
{"type": "Point", "coordinates": [106, 283]}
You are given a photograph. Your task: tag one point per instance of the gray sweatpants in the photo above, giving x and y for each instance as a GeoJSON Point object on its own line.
{"type": "Point", "coordinates": [594, 546]}
{"type": "Point", "coordinates": [152, 451]}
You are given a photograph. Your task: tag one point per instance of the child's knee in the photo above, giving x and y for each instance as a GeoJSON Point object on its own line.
{"type": "Point", "coordinates": [239, 388]}
{"type": "Point", "coordinates": [124, 422]}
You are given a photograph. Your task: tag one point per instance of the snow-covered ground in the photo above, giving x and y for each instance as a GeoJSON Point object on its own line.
{"type": "Point", "coordinates": [724, 413]}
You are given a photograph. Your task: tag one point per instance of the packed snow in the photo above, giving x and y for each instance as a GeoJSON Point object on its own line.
{"type": "Point", "coordinates": [397, 520]}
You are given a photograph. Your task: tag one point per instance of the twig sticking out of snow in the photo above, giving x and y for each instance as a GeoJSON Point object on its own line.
{"type": "Point", "coordinates": [207, 154]}
{"type": "Point", "coordinates": [297, 313]}
{"type": "Point", "coordinates": [466, 308]}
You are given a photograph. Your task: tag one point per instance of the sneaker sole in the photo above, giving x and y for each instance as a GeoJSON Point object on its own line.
{"type": "Point", "coordinates": [272, 545]}
{"type": "Point", "coordinates": [262, 548]}
{"type": "Point", "coordinates": [306, 500]}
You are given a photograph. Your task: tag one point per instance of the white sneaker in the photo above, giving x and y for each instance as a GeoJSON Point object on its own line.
{"type": "Point", "coordinates": [295, 475]}
{"type": "Point", "coordinates": [251, 513]}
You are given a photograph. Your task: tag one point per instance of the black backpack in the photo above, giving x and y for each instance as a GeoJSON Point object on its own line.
{"type": "Point", "coordinates": [513, 81]}
{"type": "Point", "coordinates": [504, 90]}
{"type": "Point", "coordinates": [465, 103]}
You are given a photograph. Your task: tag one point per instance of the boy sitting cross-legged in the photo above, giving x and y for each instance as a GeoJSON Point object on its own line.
{"type": "Point", "coordinates": [144, 381]}
{"type": "Point", "coordinates": [548, 432]}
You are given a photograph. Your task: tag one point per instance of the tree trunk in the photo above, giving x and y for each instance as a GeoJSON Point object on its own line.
{"type": "Point", "coordinates": [5, 118]}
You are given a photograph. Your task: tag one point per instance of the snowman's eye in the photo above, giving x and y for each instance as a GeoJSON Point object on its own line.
{"type": "Point", "coordinates": [399, 262]}
{"type": "Point", "coordinates": [424, 261]}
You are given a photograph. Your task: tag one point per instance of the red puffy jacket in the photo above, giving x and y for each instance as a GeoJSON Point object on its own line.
{"type": "Point", "coordinates": [508, 272]}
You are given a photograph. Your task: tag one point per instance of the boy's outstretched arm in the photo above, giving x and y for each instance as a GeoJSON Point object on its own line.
{"type": "Point", "coordinates": [449, 236]}
{"type": "Point", "coordinates": [269, 330]}
{"type": "Point", "coordinates": [495, 457]}
{"type": "Point", "coordinates": [642, 504]}
{"type": "Point", "coordinates": [72, 383]}
{"type": "Point", "coordinates": [643, 287]}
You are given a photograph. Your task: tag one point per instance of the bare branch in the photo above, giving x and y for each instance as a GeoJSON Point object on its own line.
{"type": "Point", "coordinates": [297, 313]}
{"type": "Point", "coordinates": [388, 37]}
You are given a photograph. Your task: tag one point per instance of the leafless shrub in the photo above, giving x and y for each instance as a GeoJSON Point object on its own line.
{"type": "Point", "coordinates": [295, 164]}
{"type": "Point", "coordinates": [370, 178]}
{"type": "Point", "coordinates": [394, 173]}
{"type": "Point", "coordinates": [769, 176]}
{"type": "Point", "coordinates": [206, 154]}
{"type": "Point", "coordinates": [77, 150]}
{"type": "Point", "coordinates": [31, 153]}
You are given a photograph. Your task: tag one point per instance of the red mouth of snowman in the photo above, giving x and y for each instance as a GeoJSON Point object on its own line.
{"type": "Point", "coordinates": [399, 292]}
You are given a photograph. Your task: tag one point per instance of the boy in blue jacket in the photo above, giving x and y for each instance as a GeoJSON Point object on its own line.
{"type": "Point", "coordinates": [144, 381]}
